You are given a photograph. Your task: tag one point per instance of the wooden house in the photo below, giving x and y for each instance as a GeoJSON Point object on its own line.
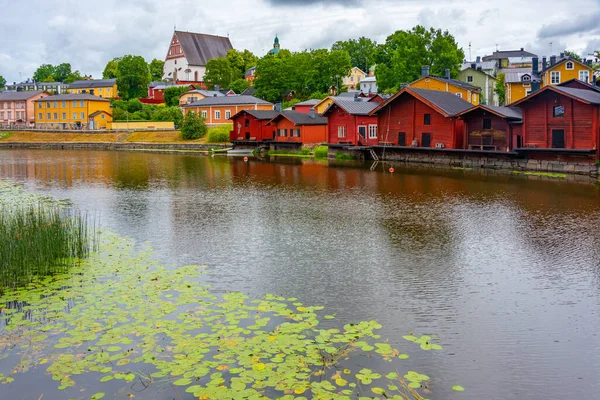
{"type": "Point", "coordinates": [218, 110]}
{"type": "Point", "coordinates": [560, 117]}
{"type": "Point", "coordinates": [421, 118]}
{"type": "Point", "coordinates": [564, 69]}
{"type": "Point", "coordinates": [251, 126]}
{"type": "Point", "coordinates": [296, 128]}
{"type": "Point", "coordinates": [490, 128]}
{"type": "Point", "coordinates": [305, 106]}
{"type": "Point", "coordinates": [460, 89]}
{"type": "Point", "coordinates": [349, 122]}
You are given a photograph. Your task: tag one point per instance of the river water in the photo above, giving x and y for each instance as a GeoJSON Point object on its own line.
{"type": "Point", "coordinates": [504, 269]}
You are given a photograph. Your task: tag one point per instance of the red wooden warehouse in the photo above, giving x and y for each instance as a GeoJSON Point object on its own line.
{"type": "Point", "coordinates": [251, 126]}
{"type": "Point", "coordinates": [349, 122]}
{"type": "Point", "coordinates": [421, 118]}
{"type": "Point", "coordinates": [297, 129]}
{"type": "Point", "coordinates": [491, 128]}
{"type": "Point", "coordinates": [561, 117]}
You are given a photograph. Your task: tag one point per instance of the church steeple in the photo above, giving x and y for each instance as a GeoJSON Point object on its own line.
{"type": "Point", "coordinates": [275, 48]}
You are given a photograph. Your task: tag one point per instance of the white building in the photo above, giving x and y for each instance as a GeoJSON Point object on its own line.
{"type": "Point", "coordinates": [368, 85]}
{"type": "Point", "coordinates": [188, 54]}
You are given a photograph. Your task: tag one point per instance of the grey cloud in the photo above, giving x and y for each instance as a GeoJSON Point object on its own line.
{"type": "Point", "coordinates": [451, 19]}
{"type": "Point", "coordinates": [587, 24]}
{"type": "Point", "coordinates": [302, 3]}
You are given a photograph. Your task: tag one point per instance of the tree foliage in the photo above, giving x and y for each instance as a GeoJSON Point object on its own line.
{"type": "Point", "coordinates": [172, 94]}
{"type": "Point", "coordinates": [112, 69]}
{"type": "Point", "coordinates": [500, 88]}
{"type": "Point", "coordinates": [56, 73]}
{"type": "Point", "coordinates": [168, 114]}
{"type": "Point", "coordinates": [133, 77]}
{"type": "Point", "coordinates": [193, 126]}
{"type": "Point", "coordinates": [156, 69]}
{"type": "Point", "coordinates": [2, 82]}
{"type": "Point", "coordinates": [400, 58]}
{"type": "Point", "coordinates": [361, 51]}
{"type": "Point", "coordinates": [239, 85]}
{"type": "Point", "coordinates": [573, 55]}
{"type": "Point", "coordinates": [218, 72]}
{"type": "Point", "coordinates": [240, 62]}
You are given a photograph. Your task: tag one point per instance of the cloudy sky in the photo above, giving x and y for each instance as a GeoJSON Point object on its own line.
{"type": "Point", "coordinates": [89, 33]}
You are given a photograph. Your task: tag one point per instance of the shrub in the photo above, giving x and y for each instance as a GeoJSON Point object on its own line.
{"type": "Point", "coordinates": [321, 151]}
{"type": "Point", "coordinates": [219, 134]}
{"type": "Point", "coordinates": [169, 114]}
{"type": "Point", "coordinates": [343, 157]}
{"type": "Point", "coordinates": [193, 127]}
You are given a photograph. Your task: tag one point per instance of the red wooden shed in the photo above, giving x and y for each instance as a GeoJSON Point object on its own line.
{"type": "Point", "coordinates": [299, 128]}
{"type": "Point", "coordinates": [561, 117]}
{"type": "Point", "coordinates": [421, 118]}
{"type": "Point", "coordinates": [251, 126]}
{"type": "Point", "coordinates": [349, 122]}
{"type": "Point", "coordinates": [490, 127]}
{"type": "Point", "coordinates": [305, 106]}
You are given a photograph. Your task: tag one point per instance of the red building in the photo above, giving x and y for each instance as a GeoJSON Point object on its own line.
{"type": "Point", "coordinates": [156, 91]}
{"type": "Point", "coordinates": [577, 84]}
{"type": "Point", "coordinates": [421, 118]}
{"type": "Point", "coordinates": [251, 126]}
{"type": "Point", "coordinates": [305, 106]}
{"type": "Point", "coordinates": [349, 122]}
{"type": "Point", "coordinates": [293, 127]}
{"type": "Point", "coordinates": [560, 117]}
{"type": "Point", "coordinates": [491, 128]}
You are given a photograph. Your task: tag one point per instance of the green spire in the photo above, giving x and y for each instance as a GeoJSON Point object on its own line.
{"type": "Point", "coordinates": [276, 43]}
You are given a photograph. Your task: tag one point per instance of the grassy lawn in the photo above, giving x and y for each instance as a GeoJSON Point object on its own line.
{"type": "Point", "coordinates": [159, 137]}
{"type": "Point", "coordinates": [36, 137]}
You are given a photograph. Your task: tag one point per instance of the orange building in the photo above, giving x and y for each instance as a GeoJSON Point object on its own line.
{"type": "Point", "coordinates": [293, 127]}
{"type": "Point", "coordinates": [219, 110]}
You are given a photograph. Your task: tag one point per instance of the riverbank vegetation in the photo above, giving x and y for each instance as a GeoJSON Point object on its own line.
{"type": "Point", "coordinates": [219, 134]}
{"type": "Point", "coordinates": [321, 151]}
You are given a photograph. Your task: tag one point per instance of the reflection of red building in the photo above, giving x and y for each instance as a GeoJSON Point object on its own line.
{"type": "Point", "coordinates": [490, 127]}
{"type": "Point", "coordinates": [421, 118]}
{"type": "Point", "coordinates": [251, 126]}
{"type": "Point", "coordinates": [298, 128]}
{"type": "Point", "coordinates": [349, 122]}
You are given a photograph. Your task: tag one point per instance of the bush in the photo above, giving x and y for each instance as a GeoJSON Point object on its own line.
{"type": "Point", "coordinates": [219, 134]}
{"type": "Point", "coordinates": [134, 105]}
{"type": "Point", "coordinates": [169, 114]}
{"type": "Point", "coordinates": [321, 151]}
{"type": "Point", "coordinates": [193, 126]}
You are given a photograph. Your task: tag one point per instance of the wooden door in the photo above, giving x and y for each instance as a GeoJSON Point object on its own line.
{"type": "Point", "coordinates": [558, 138]}
{"type": "Point", "coordinates": [426, 140]}
{"type": "Point", "coordinates": [401, 138]}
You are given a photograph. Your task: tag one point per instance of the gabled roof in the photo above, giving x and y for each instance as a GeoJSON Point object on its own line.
{"type": "Point", "coordinates": [485, 65]}
{"type": "Point", "coordinates": [455, 82]}
{"type": "Point", "coordinates": [259, 114]}
{"type": "Point", "coordinates": [20, 96]}
{"type": "Point", "coordinates": [67, 97]}
{"type": "Point", "coordinates": [350, 93]}
{"type": "Point", "coordinates": [227, 100]}
{"type": "Point", "coordinates": [515, 75]}
{"type": "Point", "coordinates": [93, 83]}
{"type": "Point", "coordinates": [100, 112]}
{"type": "Point", "coordinates": [205, 93]}
{"type": "Point", "coordinates": [583, 95]}
{"type": "Point", "coordinates": [354, 107]}
{"type": "Point", "coordinates": [198, 48]}
{"type": "Point", "coordinates": [299, 118]}
{"type": "Point", "coordinates": [249, 92]}
{"type": "Point", "coordinates": [499, 55]}
{"type": "Point", "coordinates": [581, 83]}
{"type": "Point", "coordinates": [353, 68]}
{"type": "Point", "coordinates": [512, 113]}
{"type": "Point", "coordinates": [168, 85]}
{"type": "Point", "coordinates": [310, 102]}
{"type": "Point", "coordinates": [250, 71]}
{"type": "Point", "coordinates": [563, 60]}
{"type": "Point", "coordinates": [446, 103]}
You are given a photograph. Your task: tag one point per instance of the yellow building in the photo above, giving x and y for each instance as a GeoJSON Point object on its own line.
{"type": "Point", "coordinates": [72, 111]}
{"type": "Point", "coordinates": [517, 83]}
{"type": "Point", "coordinates": [564, 70]}
{"type": "Point", "coordinates": [355, 77]}
{"type": "Point", "coordinates": [105, 88]}
{"type": "Point", "coordinates": [463, 90]}
{"type": "Point", "coordinates": [323, 105]}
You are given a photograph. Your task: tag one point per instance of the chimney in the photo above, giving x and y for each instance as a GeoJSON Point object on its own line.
{"type": "Point", "coordinates": [543, 62]}
{"type": "Point", "coordinates": [474, 65]}
{"type": "Point", "coordinates": [552, 60]}
{"type": "Point", "coordinates": [356, 98]}
{"type": "Point", "coordinates": [278, 107]}
{"type": "Point", "coordinates": [534, 65]}
{"type": "Point", "coordinates": [535, 86]}
{"type": "Point", "coordinates": [594, 80]}
{"type": "Point", "coordinates": [522, 49]}
{"type": "Point", "coordinates": [447, 73]}
{"type": "Point", "coordinates": [311, 113]}
{"type": "Point", "coordinates": [425, 70]}
{"type": "Point", "coordinates": [478, 60]}
{"type": "Point", "coordinates": [562, 55]}
{"type": "Point", "coordinates": [217, 88]}
{"type": "Point", "coordinates": [479, 68]}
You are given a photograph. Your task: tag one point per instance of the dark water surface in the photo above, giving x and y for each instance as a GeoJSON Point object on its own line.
{"type": "Point", "coordinates": [505, 269]}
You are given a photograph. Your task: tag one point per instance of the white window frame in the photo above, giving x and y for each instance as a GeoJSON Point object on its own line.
{"type": "Point", "coordinates": [204, 114]}
{"type": "Point", "coordinates": [372, 131]}
{"type": "Point", "coordinates": [64, 115]}
{"type": "Point", "coordinates": [82, 115]}
{"type": "Point", "coordinates": [469, 78]}
{"type": "Point", "coordinates": [572, 65]}
{"type": "Point", "coordinates": [218, 114]}
{"type": "Point", "coordinates": [553, 75]}
{"type": "Point", "coordinates": [459, 94]}
{"type": "Point", "coordinates": [74, 115]}
{"type": "Point", "coordinates": [341, 131]}
{"type": "Point", "coordinates": [587, 77]}
{"type": "Point", "coordinates": [40, 116]}
{"type": "Point", "coordinates": [227, 114]}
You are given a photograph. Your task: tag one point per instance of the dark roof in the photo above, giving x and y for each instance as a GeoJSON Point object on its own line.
{"type": "Point", "coordinates": [82, 96]}
{"type": "Point", "coordinates": [19, 96]}
{"type": "Point", "coordinates": [259, 114]}
{"type": "Point", "coordinates": [582, 83]}
{"type": "Point", "coordinates": [513, 113]}
{"type": "Point", "coordinates": [248, 92]}
{"type": "Point", "coordinates": [311, 102]}
{"type": "Point", "coordinates": [349, 93]}
{"type": "Point", "coordinates": [354, 107]}
{"type": "Point", "coordinates": [199, 48]}
{"type": "Point", "coordinates": [498, 55]}
{"type": "Point", "coordinates": [93, 83]}
{"type": "Point", "coordinates": [227, 100]}
{"type": "Point", "coordinates": [250, 71]}
{"type": "Point", "coordinates": [447, 103]}
{"type": "Point", "coordinates": [455, 82]}
{"type": "Point", "coordinates": [562, 60]}
{"type": "Point", "coordinates": [589, 96]}
{"type": "Point", "coordinates": [299, 118]}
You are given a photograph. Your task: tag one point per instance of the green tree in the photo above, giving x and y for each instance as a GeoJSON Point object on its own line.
{"type": "Point", "coordinates": [274, 76]}
{"type": "Point", "coordinates": [218, 72]}
{"type": "Point", "coordinates": [133, 77]}
{"type": "Point", "coordinates": [193, 127]}
{"type": "Point", "coordinates": [361, 51]}
{"type": "Point", "coordinates": [573, 55]}
{"type": "Point", "coordinates": [239, 85]}
{"type": "Point", "coordinates": [72, 77]}
{"type": "Point", "coordinates": [172, 94]}
{"type": "Point", "coordinates": [500, 88]}
{"type": "Point", "coordinates": [62, 72]}
{"type": "Point", "coordinates": [240, 61]}
{"type": "Point", "coordinates": [2, 82]}
{"type": "Point", "coordinates": [169, 114]}
{"type": "Point", "coordinates": [134, 105]}
{"type": "Point", "coordinates": [112, 69]}
{"type": "Point", "coordinates": [44, 73]}
{"type": "Point", "coordinates": [156, 69]}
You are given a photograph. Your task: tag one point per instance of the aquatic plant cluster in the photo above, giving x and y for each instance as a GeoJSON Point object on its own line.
{"type": "Point", "coordinates": [38, 236]}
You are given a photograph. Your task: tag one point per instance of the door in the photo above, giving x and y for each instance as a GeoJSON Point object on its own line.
{"type": "Point", "coordinates": [426, 140]}
{"type": "Point", "coordinates": [362, 133]}
{"type": "Point", "coordinates": [558, 138]}
{"type": "Point", "coordinates": [519, 141]}
{"type": "Point", "coordinates": [401, 138]}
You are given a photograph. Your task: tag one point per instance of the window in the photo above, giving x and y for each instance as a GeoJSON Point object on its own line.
{"type": "Point", "coordinates": [584, 76]}
{"type": "Point", "coordinates": [217, 114]}
{"type": "Point", "coordinates": [40, 116]}
{"type": "Point", "coordinates": [351, 79]}
{"type": "Point", "coordinates": [48, 116]}
{"type": "Point", "coordinates": [204, 114]}
{"type": "Point", "coordinates": [227, 114]}
{"type": "Point", "coordinates": [570, 65]}
{"type": "Point", "coordinates": [372, 131]}
{"type": "Point", "coordinates": [64, 116]}
{"type": "Point", "coordinates": [526, 78]}
{"type": "Point", "coordinates": [47, 104]}
{"type": "Point", "coordinates": [358, 78]}
{"type": "Point", "coordinates": [74, 115]}
{"type": "Point", "coordinates": [341, 131]}
{"type": "Point", "coordinates": [487, 123]}
{"type": "Point", "coordinates": [40, 104]}
{"type": "Point", "coordinates": [285, 132]}
{"type": "Point", "coordinates": [458, 94]}
{"type": "Point", "coordinates": [55, 104]}
{"type": "Point", "coordinates": [64, 104]}
{"type": "Point", "coordinates": [82, 115]}
{"type": "Point", "coordinates": [401, 138]}
{"type": "Point", "coordinates": [81, 103]}
{"type": "Point", "coordinates": [558, 111]}
{"type": "Point", "coordinates": [427, 119]}
{"type": "Point", "coordinates": [247, 123]}
{"type": "Point", "coordinates": [55, 115]}
{"type": "Point", "coordinates": [74, 103]}
{"type": "Point", "coordinates": [298, 132]}
{"type": "Point", "coordinates": [1, 115]}
{"type": "Point", "coordinates": [469, 79]}
{"type": "Point", "coordinates": [555, 77]}
{"type": "Point", "coordinates": [9, 114]}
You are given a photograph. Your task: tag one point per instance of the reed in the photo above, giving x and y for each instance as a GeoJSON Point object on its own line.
{"type": "Point", "coordinates": [321, 151]}
{"type": "Point", "coordinates": [40, 240]}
